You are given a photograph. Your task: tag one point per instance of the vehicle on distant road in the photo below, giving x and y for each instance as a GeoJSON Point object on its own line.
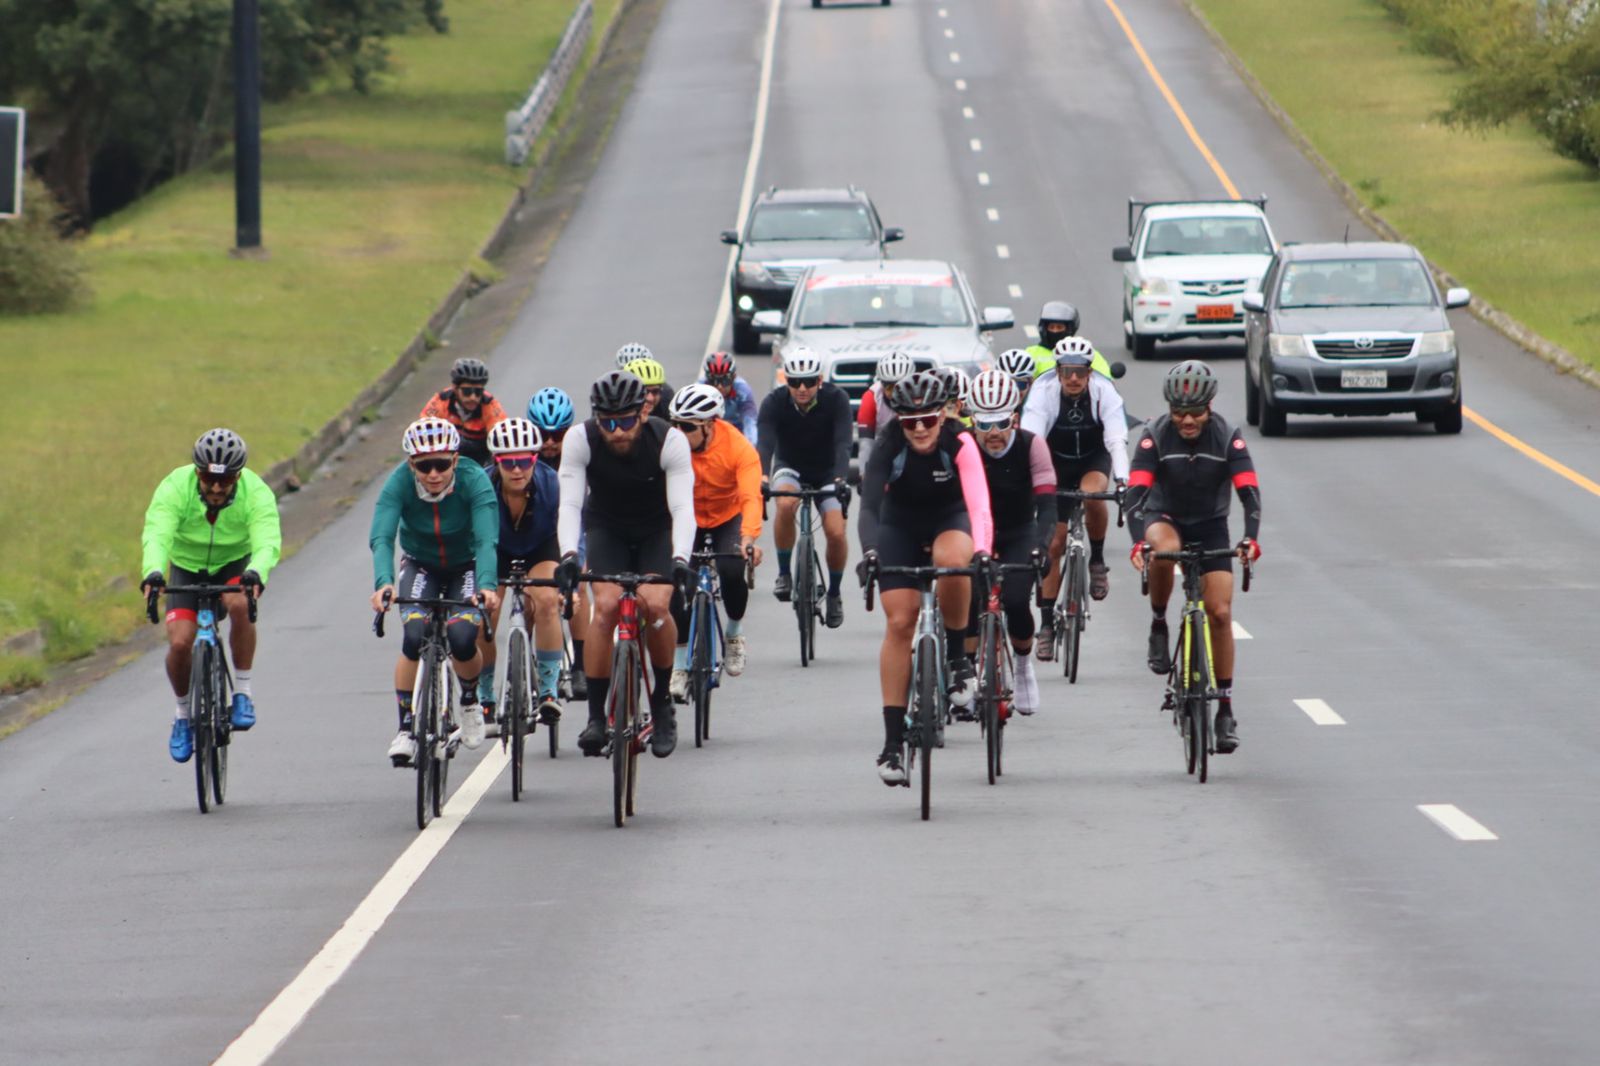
{"type": "Point", "coordinates": [789, 230]}
{"type": "Point", "coordinates": [1186, 264]}
{"type": "Point", "coordinates": [1351, 329]}
{"type": "Point", "coordinates": [855, 3]}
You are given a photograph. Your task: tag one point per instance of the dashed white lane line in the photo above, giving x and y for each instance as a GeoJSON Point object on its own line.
{"type": "Point", "coordinates": [1319, 712]}
{"type": "Point", "coordinates": [955, 57]}
{"type": "Point", "coordinates": [961, 85]}
{"type": "Point", "coordinates": [1002, 251]}
{"type": "Point", "coordinates": [1456, 822]}
{"type": "Point", "coordinates": [1015, 291]}
{"type": "Point", "coordinates": [944, 14]}
{"type": "Point", "coordinates": [948, 32]}
{"type": "Point", "coordinates": [966, 112]}
{"type": "Point", "coordinates": [1240, 633]}
{"type": "Point", "coordinates": [983, 177]}
{"type": "Point", "coordinates": [977, 145]}
{"type": "Point", "coordinates": [994, 216]}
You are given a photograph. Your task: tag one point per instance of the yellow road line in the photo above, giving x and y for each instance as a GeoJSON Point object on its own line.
{"type": "Point", "coordinates": [1474, 417]}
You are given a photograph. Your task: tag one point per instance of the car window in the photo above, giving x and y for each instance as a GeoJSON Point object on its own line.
{"type": "Point", "coordinates": [811, 222]}
{"type": "Point", "coordinates": [1355, 283]}
{"type": "Point", "coordinates": [873, 301]}
{"type": "Point", "coordinates": [1222, 235]}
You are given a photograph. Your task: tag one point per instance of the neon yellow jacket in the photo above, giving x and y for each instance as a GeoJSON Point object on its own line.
{"type": "Point", "coordinates": [176, 529]}
{"type": "Point", "coordinates": [1044, 359]}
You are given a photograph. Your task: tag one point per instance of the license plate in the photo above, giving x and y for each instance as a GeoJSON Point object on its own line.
{"type": "Point", "coordinates": [1213, 312]}
{"type": "Point", "coordinates": [1364, 379]}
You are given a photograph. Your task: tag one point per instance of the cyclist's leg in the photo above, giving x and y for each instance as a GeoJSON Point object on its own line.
{"type": "Point", "coordinates": [1095, 521]}
{"type": "Point", "coordinates": [544, 606]}
{"type": "Point", "coordinates": [607, 554]}
{"type": "Point", "coordinates": [1162, 535]}
{"type": "Point", "coordinates": [901, 601]}
{"type": "Point", "coordinates": [241, 631]}
{"type": "Point", "coordinates": [486, 648]}
{"type": "Point", "coordinates": [414, 582]}
{"type": "Point", "coordinates": [783, 524]}
{"type": "Point", "coordinates": [182, 625]}
{"type": "Point", "coordinates": [1016, 589]}
{"type": "Point", "coordinates": [952, 546]}
{"type": "Point", "coordinates": [730, 573]}
{"type": "Point", "coordinates": [837, 551]}
{"type": "Point", "coordinates": [1052, 572]}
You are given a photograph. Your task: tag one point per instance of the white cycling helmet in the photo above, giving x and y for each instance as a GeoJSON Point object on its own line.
{"type": "Point", "coordinates": [960, 385]}
{"type": "Point", "coordinates": [1074, 351]}
{"type": "Point", "coordinates": [894, 366]}
{"type": "Point", "coordinates": [1016, 363]}
{"type": "Point", "coordinates": [511, 436]}
{"type": "Point", "coordinates": [801, 362]}
{"type": "Point", "coordinates": [428, 436]}
{"type": "Point", "coordinates": [994, 394]}
{"type": "Point", "coordinates": [696, 403]}
{"type": "Point", "coordinates": [631, 351]}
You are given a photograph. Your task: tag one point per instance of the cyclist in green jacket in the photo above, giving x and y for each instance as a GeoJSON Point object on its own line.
{"type": "Point", "coordinates": [210, 521]}
{"type": "Point", "coordinates": [447, 517]}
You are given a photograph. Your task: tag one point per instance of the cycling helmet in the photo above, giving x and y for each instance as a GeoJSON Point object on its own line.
{"type": "Point", "coordinates": [647, 370]}
{"type": "Point", "coordinates": [219, 451]}
{"type": "Point", "coordinates": [1075, 351]}
{"type": "Point", "coordinates": [469, 372]}
{"type": "Point", "coordinates": [1190, 384]}
{"type": "Point", "coordinates": [720, 368]}
{"type": "Point", "coordinates": [550, 409]}
{"type": "Point", "coordinates": [514, 435]}
{"type": "Point", "coordinates": [1016, 363]}
{"type": "Point", "coordinates": [801, 362]}
{"type": "Point", "coordinates": [1058, 311]}
{"type": "Point", "coordinates": [631, 351]}
{"type": "Point", "coordinates": [922, 391]}
{"type": "Point", "coordinates": [894, 366]}
{"type": "Point", "coordinates": [959, 384]}
{"type": "Point", "coordinates": [616, 392]}
{"type": "Point", "coordinates": [427, 436]}
{"type": "Point", "coordinates": [696, 403]}
{"type": "Point", "coordinates": [994, 394]}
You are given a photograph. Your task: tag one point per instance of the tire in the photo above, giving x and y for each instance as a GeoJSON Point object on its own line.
{"type": "Point", "coordinates": [1143, 347]}
{"type": "Point", "coordinates": [1202, 672]}
{"type": "Point", "coordinates": [1273, 421]}
{"type": "Point", "coordinates": [1184, 695]}
{"type": "Point", "coordinates": [622, 722]}
{"type": "Point", "coordinates": [1448, 421]}
{"type": "Point", "coordinates": [700, 667]}
{"type": "Point", "coordinates": [929, 708]}
{"type": "Point", "coordinates": [553, 731]}
{"type": "Point", "coordinates": [441, 754]}
{"type": "Point", "coordinates": [747, 339]}
{"type": "Point", "coordinates": [989, 692]}
{"type": "Point", "coordinates": [1073, 601]}
{"type": "Point", "coordinates": [514, 706]}
{"type": "Point", "coordinates": [424, 718]}
{"type": "Point", "coordinates": [1252, 399]}
{"type": "Point", "coordinates": [1127, 329]}
{"type": "Point", "coordinates": [805, 611]}
{"type": "Point", "coordinates": [202, 713]}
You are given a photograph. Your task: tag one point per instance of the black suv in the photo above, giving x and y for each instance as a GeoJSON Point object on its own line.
{"type": "Point", "coordinates": [789, 230]}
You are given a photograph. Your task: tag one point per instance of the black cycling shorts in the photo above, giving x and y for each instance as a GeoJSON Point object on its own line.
{"type": "Point", "coordinates": [184, 604]}
{"type": "Point", "coordinates": [911, 544]}
{"type": "Point", "coordinates": [610, 553]}
{"type": "Point", "coordinates": [417, 582]}
{"type": "Point", "coordinates": [547, 552]}
{"type": "Point", "coordinates": [1070, 472]}
{"type": "Point", "coordinates": [1209, 534]}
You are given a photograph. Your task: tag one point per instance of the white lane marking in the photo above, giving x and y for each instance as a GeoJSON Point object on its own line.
{"type": "Point", "coordinates": [955, 57]}
{"type": "Point", "coordinates": [1032, 332]}
{"type": "Point", "coordinates": [1240, 632]}
{"type": "Point", "coordinates": [1456, 822]}
{"type": "Point", "coordinates": [994, 216]}
{"type": "Point", "coordinates": [966, 112]}
{"type": "Point", "coordinates": [943, 13]}
{"type": "Point", "coordinates": [948, 32]}
{"type": "Point", "coordinates": [719, 322]}
{"type": "Point", "coordinates": [977, 145]}
{"type": "Point", "coordinates": [983, 177]}
{"type": "Point", "coordinates": [1015, 291]}
{"type": "Point", "coordinates": [961, 85]}
{"type": "Point", "coordinates": [1002, 251]}
{"type": "Point", "coordinates": [290, 1007]}
{"type": "Point", "coordinates": [1319, 712]}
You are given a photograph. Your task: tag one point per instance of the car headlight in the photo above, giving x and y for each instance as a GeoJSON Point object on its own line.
{"type": "Point", "coordinates": [1437, 343]}
{"type": "Point", "coordinates": [754, 273]}
{"type": "Point", "coordinates": [1155, 287]}
{"type": "Point", "coordinates": [1287, 344]}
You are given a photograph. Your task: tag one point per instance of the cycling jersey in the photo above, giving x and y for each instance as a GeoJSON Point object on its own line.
{"type": "Point", "coordinates": [474, 430]}
{"type": "Point", "coordinates": [451, 535]}
{"type": "Point", "coordinates": [727, 481]}
{"type": "Point", "coordinates": [633, 497]}
{"type": "Point", "coordinates": [873, 413]}
{"type": "Point", "coordinates": [814, 443]}
{"type": "Point", "coordinates": [1187, 482]}
{"type": "Point", "coordinates": [179, 529]}
{"type": "Point", "coordinates": [1079, 428]}
{"type": "Point", "coordinates": [1022, 488]}
{"type": "Point", "coordinates": [740, 408]}
{"type": "Point", "coordinates": [1044, 361]}
{"type": "Point", "coordinates": [522, 538]}
{"type": "Point", "coordinates": [905, 488]}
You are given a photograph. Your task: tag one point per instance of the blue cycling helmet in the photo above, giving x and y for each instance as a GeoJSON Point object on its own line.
{"type": "Point", "coordinates": [551, 409]}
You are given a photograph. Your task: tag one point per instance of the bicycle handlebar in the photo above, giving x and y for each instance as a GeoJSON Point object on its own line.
{"type": "Point", "coordinates": [1114, 494]}
{"type": "Point", "coordinates": [402, 601]}
{"type": "Point", "coordinates": [517, 581]}
{"type": "Point", "coordinates": [1189, 555]}
{"type": "Point", "coordinates": [924, 575]}
{"type": "Point", "coordinates": [630, 582]}
{"type": "Point", "coordinates": [838, 492]}
{"type": "Point", "coordinates": [198, 590]}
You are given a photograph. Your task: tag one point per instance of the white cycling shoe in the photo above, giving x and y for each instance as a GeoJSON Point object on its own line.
{"type": "Point", "coordinates": [678, 687]}
{"type": "Point", "coordinates": [1025, 687]}
{"type": "Point", "coordinates": [402, 749]}
{"type": "Point", "coordinates": [890, 772]}
{"type": "Point", "coordinates": [470, 717]}
{"type": "Point", "coordinates": [734, 663]}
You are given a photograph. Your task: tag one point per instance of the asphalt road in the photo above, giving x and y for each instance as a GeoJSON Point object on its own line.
{"type": "Point", "coordinates": [773, 902]}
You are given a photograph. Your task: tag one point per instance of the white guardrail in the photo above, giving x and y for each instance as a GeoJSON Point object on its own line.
{"type": "Point", "coordinates": [524, 124]}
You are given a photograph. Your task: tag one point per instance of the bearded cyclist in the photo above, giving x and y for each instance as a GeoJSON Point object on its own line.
{"type": "Point", "coordinates": [738, 398]}
{"type": "Point", "coordinates": [551, 410]}
{"type": "Point", "coordinates": [924, 502]}
{"type": "Point", "coordinates": [210, 521]}
{"type": "Point", "coordinates": [468, 406]}
{"type": "Point", "coordinates": [1184, 464]}
{"type": "Point", "coordinates": [446, 517]}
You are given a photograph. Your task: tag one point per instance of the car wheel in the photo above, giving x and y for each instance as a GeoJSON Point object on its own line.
{"type": "Point", "coordinates": [1274, 423]}
{"type": "Point", "coordinates": [1448, 421]}
{"type": "Point", "coordinates": [816, 3]}
{"type": "Point", "coordinates": [746, 339]}
{"type": "Point", "coordinates": [1143, 347]}
{"type": "Point", "coordinates": [1252, 398]}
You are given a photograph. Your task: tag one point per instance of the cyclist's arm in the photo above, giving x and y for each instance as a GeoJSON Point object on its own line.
{"type": "Point", "coordinates": [1044, 490]}
{"type": "Point", "coordinates": [1243, 469]}
{"type": "Point", "coordinates": [1043, 404]}
{"type": "Point", "coordinates": [767, 430]}
{"type": "Point", "coordinates": [161, 525]}
{"type": "Point", "coordinates": [975, 487]}
{"type": "Point", "coordinates": [386, 525]}
{"type": "Point", "coordinates": [437, 407]}
{"type": "Point", "coordinates": [1141, 478]}
{"type": "Point", "coordinates": [873, 481]}
{"type": "Point", "coordinates": [266, 535]}
{"type": "Point", "coordinates": [867, 414]}
{"type": "Point", "coordinates": [574, 488]}
{"type": "Point", "coordinates": [749, 482]}
{"type": "Point", "coordinates": [492, 413]}
{"type": "Point", "coordinates": [748, 421]}
{"type": "Point", "coordinates": [485, 527]}
{"type": "Point", "coordinates": [844, 435]}
{"type": "Point", "coordinates": [1114, 424]}
{"type": "Point", "coordinates": [678, 464]}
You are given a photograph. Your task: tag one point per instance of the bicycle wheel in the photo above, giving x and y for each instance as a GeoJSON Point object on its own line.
{"type": "Point", "coordinates": [929, 708]}
{"type": "Point", "coordinates": [805, 611]}
{"type": "Point", "coordinates": [1202, 700]}
{"type": "Point", "coordinates": [989, 693]}
{"type": "Point", "coordinates": [443, 684]}
{"type": "Point", "coordinates": [700, 667]}
{"type": "Point", "coordinates": [553, 731]}
{"type": "Point", "coordinates": [1183, 693]}
{"type": "Point", "coordinates": [1073, 600]}
{"type": "Point", "coordinates": [636, 748]}
{"type": "Point", "coordinates": [514, 706]}
{"type": "Point", "coordinates": [202, 713]}
{"type": "Point", "coordinates": [621, 716]}
{"type": "Point", "coordinates": [424, 727]}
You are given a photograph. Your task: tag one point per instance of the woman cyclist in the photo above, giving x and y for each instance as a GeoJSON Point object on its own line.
{"type": "Point", "coordinates": [551, 410]}
{"type": "Point", "coordinates": [873, 412]}
{"type": "Point", "coordinates": [923, 501]}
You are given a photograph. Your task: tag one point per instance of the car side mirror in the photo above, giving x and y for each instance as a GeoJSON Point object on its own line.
{"type": "Point", "coordinates": [893, 233]}
{"type": "Point", "coordinates": [1118, 369]}
{"type": "Point", "coordinates": [1254, 301]}
{"type": "Point", "coordinates": [767, 321]}
{"type": "Point", "coordinates": [996, 318]}
{"type": "Point", "coordinates": [1457, 298]}
{"type": "Point", "coordinates": [730, 236]}
{"type": "Point", "coordinates": [1122, 254]}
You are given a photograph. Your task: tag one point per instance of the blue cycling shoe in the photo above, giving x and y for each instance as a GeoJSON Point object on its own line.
{"type": "Point", "coordinates": [182, 743]}
{"type": "Point", "coordinates": [244, 712]}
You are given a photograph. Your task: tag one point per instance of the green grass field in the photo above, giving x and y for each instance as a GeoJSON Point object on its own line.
{"type": "Point", "coordinates": [1500, 211]}
{"type": "Point", "coordinates": [372, 207]}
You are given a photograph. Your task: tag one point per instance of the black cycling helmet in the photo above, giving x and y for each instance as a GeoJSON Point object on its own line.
{"type": "Point", "coordinates": [1057, 312]}
{"type": "Point", "coordinates": [615, 392]}
{"type": "Point", "coordinates": [469, 372]}
{"type": "Point", "coordinates": [923, 391]}
{"type": "Point", "coordinates": [1190, 384]}
{"type": "Point", "coordinates": [219, 451]}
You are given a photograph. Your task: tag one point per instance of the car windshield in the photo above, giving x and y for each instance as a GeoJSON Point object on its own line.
{"type": "Point", "coordinates": [811, 222]}
{"type": "Point", "coordinates": [846, 301]}
{"type": "Point", "coordinates": [1221, 235]}
{"type": "Point", "coordinates": [1355, 283]}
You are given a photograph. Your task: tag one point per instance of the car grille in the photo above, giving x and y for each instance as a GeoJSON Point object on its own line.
{"type": "Point", "coordinates": [1380, 348]}
{"type": "Point", "coordinates": [1230, 287]}
{"type": "Point", "coordinates": [785, 275]}
{"type": "Point", "coordinates": [855, 376]}
{"type": "Point", "coordinates": [1196, 320]}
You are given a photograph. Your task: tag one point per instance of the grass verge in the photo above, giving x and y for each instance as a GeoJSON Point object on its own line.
{"type": "Point", "coordinates": [373, 205]}
{"type": "Point", "coordinates": [1500, 211]}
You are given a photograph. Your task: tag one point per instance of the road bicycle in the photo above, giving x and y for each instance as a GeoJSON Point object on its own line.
{"type": "Point", "coordinates": [707, 643]}
{"type": "Point", "coordinates": [433, 715]}
{"type": "Point", "coordinates": [210, 686]}
{"type": "Point", "coordinates": [996, 665]}
{"type": "Point", "coordinates": [808, 584]}
{"type": "Point", "coordinates": [1071, 612]}
{"type": "Point", "coordinates": [627, 718]}
{"type": "Point", "coordinates": [517, 705]}
{"type": "Point", "coordinates": [1191, 684]}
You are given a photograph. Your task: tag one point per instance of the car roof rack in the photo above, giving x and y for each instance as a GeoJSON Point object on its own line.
{"type": "Point", "coordinates": [1136, 207]}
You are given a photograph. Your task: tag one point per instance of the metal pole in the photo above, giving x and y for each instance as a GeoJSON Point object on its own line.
{"type": "Point", "coordinates": [247, 125]}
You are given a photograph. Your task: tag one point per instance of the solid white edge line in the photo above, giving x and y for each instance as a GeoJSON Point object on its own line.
{"type": "Point", "coordinates": [943, 13]}
{"type": "Point", "coordinates": [1015, 291]}
{"type": "Point", "coordinates": [966, 112]}
{"type": "Point", "coordinates": [983, 177]}
{"type": "Point", "coordinates": [1456, 822]}
{"type": "Point", "coordinates": [719, 322]}
{"type": "Point", "coordinates": [1241, 633]}
{"type": "Point", "coordinates": [280, 1018]}
{"type": "Point", "coordinates": [1319, 712]}
{"type": "Point", "coordinates": [948, 32]}
{"type": "Point", "coordinates": [955, 57]}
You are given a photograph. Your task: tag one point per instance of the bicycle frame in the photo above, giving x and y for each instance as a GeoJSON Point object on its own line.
{"type": "Point", "coordinates": [808, 586]}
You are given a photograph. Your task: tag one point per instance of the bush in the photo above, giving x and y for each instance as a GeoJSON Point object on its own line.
{"type": "Point", "coordinates": [40, 270]}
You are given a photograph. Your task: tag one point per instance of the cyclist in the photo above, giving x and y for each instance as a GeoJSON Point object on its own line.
{"type": "Point", "coordinates": [468, 406]}
{"type": "Point", "coordinates": [551, 410]}
{"type": "Point", "coordinates": [627, 485]}
{"type": "Point", "coordinates": [1022, 503]}
{"type": "Point", "coordinates": [445, 514]}
{"type": "Point", "coordinates": [739, 399]}
{"type": "Point", "coordinates": [806, 429]}
{"type": "Point", "coordinates": [529, 495]}
{"type": "Point", "coordinates": [631, 351]}
{"type": "Point", "coordinates": [923, 500]}
{"type": "Point", "coordinates": [727, 511]}
{"type": "Point", "coordinates": [209, 521]}
{"type": "Point", "coordinates": [1183, 465]}
{"type": "Point", "coordinates": [1080, 416]}
{"type": "Point", "coordinates": [872, 414]}
{"type": "Point", "coordinates": [1059, 320]}
{"type": "Point", "coordinates": [1019, 366]}
{"type": "Point", "coordinates": [657, 393]}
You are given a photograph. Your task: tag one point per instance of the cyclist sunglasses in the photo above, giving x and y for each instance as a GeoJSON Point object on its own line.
{"type": "Point", "coordinates": [687, 427]}
{"type": "Point", "coordinates": [990, 425]}
{"type": "Point", "coordinates": [220, 481]}
{"type": "Point", "coordinates": [1074, 371]}
{"type": "Point", "coordinates": [516, 462]}
{"type": "Point", "coordinates": [469, 390]}
{"type": "Point", "coordinates": [432, 466]}
{"type": "Point", "coordinates": [804, 383]}
{"type": "Point", "coordinates": [927, 421]}
{"type": "Point", "coordinates": [554, 434]}
{"type": "Point", "coordinates": [1190, 412]}
{"type": "Point", "coordinates": [613, 424]}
